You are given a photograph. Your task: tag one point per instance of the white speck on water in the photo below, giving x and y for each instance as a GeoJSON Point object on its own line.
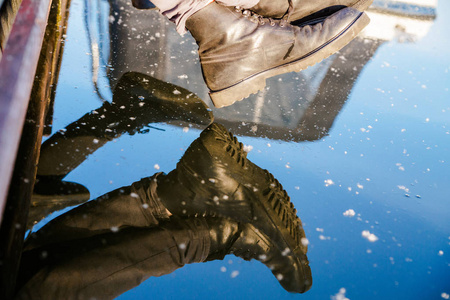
{"type": "Point", "coordinates": [360, 186]}
{"type": "Point", "coordinates": [269, 145]}
{"type": "Point", "coordinates": [234, 274]}
{"type": "Point", "coordinates": [184, 76]}
{"type": "Point", "coordinates": [297, 188]}
{"type": "Point", "coordinates": [349, 213]}
{"type": "Point", "coordinates": [369, 236]}
{"type": "Point", "coordinates": [156, 166]}
{"type": "Point", "coordinates": [304, 241]}
{"type": "Point", "coordinates": [223, 269]}
{"type": "Point", "coordinates": [340, 295]}
{"type": "Point", "coordinates": [185, 129]}
{"type": "Point", "coordinates": [285, 252]}
{"type": "Point", "coordinates": [248, 148]}
{"type": "Point", "coordinates": [440, 253]}
{"type": "Point", "coordinates": [408, 259]}
{"type": "Point", "coordinates": [445, 296]}
{"type": "Point", "coordinates": [287, 166]}
{"type": "Point", "coordinates": [319, 229]}
{"type": "Point", "coordinates": [262, 257]}
{"type": "Point", "coordinates": [328, 182]}
{"type": "Point", "coordinates": [404, 188]}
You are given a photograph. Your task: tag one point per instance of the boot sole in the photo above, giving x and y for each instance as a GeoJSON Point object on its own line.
{"type": "Point", "coordinates": [257, 82]}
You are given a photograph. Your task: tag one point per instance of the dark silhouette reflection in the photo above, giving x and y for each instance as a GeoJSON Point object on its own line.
{"type": "Point", "coordinates": [138, 100]}
{"type": "Point", "coordinates": [216, 202]}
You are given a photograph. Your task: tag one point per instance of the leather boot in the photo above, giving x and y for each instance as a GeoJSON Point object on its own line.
{"type": "Point", "coordinates": [239, 50]}
{"type": "Point", "coordinates": [214, 178]}
{"type": "Point", "coordinates": [303, 10]}
{"type": "Point", "coordinates": [289, 265]}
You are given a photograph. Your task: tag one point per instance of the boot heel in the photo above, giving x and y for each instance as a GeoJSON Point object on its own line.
{"type": "Point", "coordinates": [238, 91]}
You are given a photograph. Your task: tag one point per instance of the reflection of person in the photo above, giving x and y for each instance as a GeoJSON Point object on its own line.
{"type": "Point", "coordinates": [239, 48]}
{"type": "Point", "coordinates": [137, 101]}
{"type": "Point", "coordinates": [216, 202]}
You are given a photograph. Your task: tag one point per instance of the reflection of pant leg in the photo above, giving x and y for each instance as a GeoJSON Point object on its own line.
{"type": "Point", "coordinates": [115, 262]}
{"type": "Point", "coordinates": [178, 11]}
{"type": "Point", "coordinates": [132, 206]}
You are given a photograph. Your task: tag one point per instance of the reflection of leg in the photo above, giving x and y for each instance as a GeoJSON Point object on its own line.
{"type": "Point", "coordinates": [335, 87]}
{"type": "Point", "coordinates": [132, 206]}
{"type": "Point", "coordinates": [107, 265]}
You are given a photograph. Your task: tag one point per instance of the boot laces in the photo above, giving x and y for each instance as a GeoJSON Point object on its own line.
{"type": "Point", "coordinates": [256, 18]}
{"type": "Point", "coordinates": [282, 205]}
{"type": "Point", "coordinates": [235, 149]}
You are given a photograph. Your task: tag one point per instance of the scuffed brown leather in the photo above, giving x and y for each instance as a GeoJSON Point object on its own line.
{"type": "Point", "coordinates": [232, 48]}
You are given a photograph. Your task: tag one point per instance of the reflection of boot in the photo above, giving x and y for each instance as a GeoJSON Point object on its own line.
{"type": "Point", "coordinates": [215, 178]}
{"type": "Point", "coordinates": [239, 50]}
{"type": "Point", "coordinates": [305, 9]}
{"type": "Point", "coordinates": [288, 264]}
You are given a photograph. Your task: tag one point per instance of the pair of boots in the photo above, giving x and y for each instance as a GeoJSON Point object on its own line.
{"type": "Point", "coordinates": [239, 49]}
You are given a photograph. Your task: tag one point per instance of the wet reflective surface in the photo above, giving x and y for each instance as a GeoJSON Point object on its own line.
{"type": "Point", "coordinates": [360, 143]}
